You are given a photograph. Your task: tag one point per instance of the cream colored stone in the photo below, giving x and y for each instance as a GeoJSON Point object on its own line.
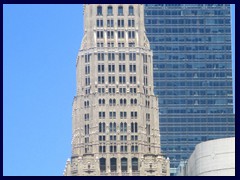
{"type": "Point", "coordinates": [86, 156]}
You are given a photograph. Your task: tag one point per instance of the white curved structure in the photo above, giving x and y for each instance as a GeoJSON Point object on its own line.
{"type": "Point", "coordinates": [213, 158]}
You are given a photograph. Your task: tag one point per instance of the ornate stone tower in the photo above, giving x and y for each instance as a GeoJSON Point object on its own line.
{"type": "Point", "coordinates": [115, 126]}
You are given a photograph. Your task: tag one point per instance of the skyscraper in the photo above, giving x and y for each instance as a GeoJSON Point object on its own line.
{"type": "Point", "coordinates": [115, 121]}
{"type": "Point", "coordinates": [192, 69]}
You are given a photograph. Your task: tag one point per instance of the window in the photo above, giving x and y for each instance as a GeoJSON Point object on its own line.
{"type": "Point", "coordinates": [132, 68]}
{"type": "Point", "coordinates": [130, 10]}
{"type": "Point", "coordinates": [133, 90]}
{"type": "Point", "coordinates": [102, 149]}
{"type": "Point", "coordinates": [123, 126]}
{"type": "Point", "coordinates": [131, 23]}
{"type": "Point", "coordinates": [101, 115]}
{"type": "Point", "coordinates": [134, 114]}
{"type": "Point", "coordinates": [110, 23]}
{"type": "Point", "coordinates": [101, 68]}
{"type": "Point", "coordinates": [134, 137]}
{"type": "Point", "coordinates": [132, 56]}
{"type": "Point", "coordinates": [122, 79]}
{"type": "Point", "coordinates": [99, 10]}
{"type": "Point", "coordinates": [134, 128]}
{"type": "Point", "coordinates": [110, 34]}
{"type": "Point", "coordinates": [113, 164]}
{"type": "Point", "coordinates": [101, 138]}
{"type": "Point", "coordinates": [111, 44]}
{"type": "Point", "coordinates": [86, 117]}
{"type": "Point", "coordinates": [102, 162]}
{"type": "Point", "coordinates": [99, 44]}
{"type": "Point", "coordinates": [120, 11]}
{"type": "Point", "coordinates": [111, 68]}
{"type": "Point", "coordinates": [145, 80]}
{"type": "Point", "coordinates": [123, 115]}
{"type": "Point", "coordinates": [109, 11]}
{"type": "Point", "coordinates": [112, 127]}
{"type": "Point", "coordinates": [101, 90]}
{"type": "Point", "coordinates": [113, 148]}
{"type": "Point", "coordinates": [111, 56]}
{"type": "Point", "coordinates": [87, 81]}
{"type": "Point", "coordinates": [87, 69]}
{"type": "Point", "coordinates": [131, 34]}
{"type": "Point", "coordinates": [99, 34]}
{"type": "Point", "coordinates": [122, 90]}
{"type": "Point", "coordinates": [132, 79]}
{"type": "Point", "coordinates": [99, 23]}
{"type": "Point", "coordinates": [123, 138]}
{"type": "Point", "coordinates": [123, 148]}
{"type": "Point", "coordinates": [101, 102]}
{"type": "Point", "coordinates": [124, 164]}
{"type": "Point", "coordinates": [148, 129]}
{"type": "Point", "coordinates": [120, 34]}
{"type": "Point", "coordinates": [120, 44]}
{"type": "Point", "coordinates": [133, 101]}
{"type": "Point", "coordinates": [87, 90]}
{"type": "Point", "coordinates": [86, 104]}
{"type": "Point", "coordinates": [100, 56]}
{"type": "Point", "coordinates": [120, 23]}
{"type": "Point", "coordinates": [134, 148]}
{"type": "Point", "coordinates": [112, 102]}
{"type": "Point", "coordinates": [122, 68]}
{"type": "Point", "coordinates": [134, 164]}
{"type": "Point", "coordinates": [131, 44]}
{"type": "Point", "coordinates": [123, 102]}
{"type": "Point", "coordinates": [145, 70]}
{"type": "Point", "coordinates": [111, 90]}
{"type": "Point", "coordinates": [121, 56]}
{"type": "Point", "coordinates": [101, 80]}
{"type": "Point", "coordinates": [113, 138]}
{"type": "Point", "coordinates": [112, 115]}
{"type": "Point", "coordinates": [101, 127]}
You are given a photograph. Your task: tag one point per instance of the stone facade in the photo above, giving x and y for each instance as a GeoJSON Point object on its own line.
{"type": "Point", "coordinates": [115, 126]}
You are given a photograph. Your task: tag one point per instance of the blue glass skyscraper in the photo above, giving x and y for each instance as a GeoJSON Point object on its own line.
{"type": "Point", "coordinates": [192, 64]}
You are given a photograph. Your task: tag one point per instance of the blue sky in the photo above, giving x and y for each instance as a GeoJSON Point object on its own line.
{"type": "Point", "coordinates": [39, 54]}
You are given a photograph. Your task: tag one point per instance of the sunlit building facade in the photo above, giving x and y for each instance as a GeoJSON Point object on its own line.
{"type": "Point", "coordinates": [115, 118]}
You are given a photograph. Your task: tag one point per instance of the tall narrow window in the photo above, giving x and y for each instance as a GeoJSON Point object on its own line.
{"type": "Point", "coordinates": [120, 11]}
{"type": "Point", "coordinates": [124, 164]}
{"type": "Point", "coordinates": [102, 164]}
{"type": "Point", "coordinates": [130, 10]}
{"type": "Point", "coordinates": [99, 10]}
{"type": "Point", "coordinates": [113, 164]}
{"type": "Point", "coordinates": [109, 11]}
{"type": "Point", "coordinates": [134, 164]}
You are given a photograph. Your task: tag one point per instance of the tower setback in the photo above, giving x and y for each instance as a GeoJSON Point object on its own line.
{"type": "Point", "coordinates": [115, 121]}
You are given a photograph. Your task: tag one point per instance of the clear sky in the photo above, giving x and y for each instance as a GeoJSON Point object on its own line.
{"type": "Point", "coordinates": [40, 46]}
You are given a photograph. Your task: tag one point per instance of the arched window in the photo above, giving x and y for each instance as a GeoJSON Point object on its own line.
{"type": "Point", "coordinates": [110, 102]}
{"type": "Point", "coordinates": [134, 164]}
{"type": "Point", "coordinates": [120, 10]}
{"type": "Point", "coordinates": [109, 11]}
{"type": "Point", "coordinates": [113, 164]}
{"type": "Point", "coordinates": [102, 164]}
{"type": "Point", "coordinates": [130, 10]}
{"type": "Point", "coordinates": [124, 164]}
{"type": "Point", "coordinates": [135, 101]}
{"type": "Point", "coordinates": [99, 10]}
